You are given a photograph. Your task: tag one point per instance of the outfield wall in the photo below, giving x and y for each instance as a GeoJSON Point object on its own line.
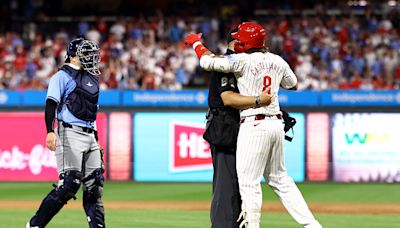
{"type": "Point", "coordinates": [145, 142]}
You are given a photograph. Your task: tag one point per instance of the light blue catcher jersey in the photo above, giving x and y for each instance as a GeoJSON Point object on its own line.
{"type": "Point", "coordinates": [60, 86]}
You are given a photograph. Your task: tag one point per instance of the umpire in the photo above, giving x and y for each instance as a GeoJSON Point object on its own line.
{"type": "Point", "coordinates": [221, 132]}
{"type": "Point", "coordinates": [73, 95]}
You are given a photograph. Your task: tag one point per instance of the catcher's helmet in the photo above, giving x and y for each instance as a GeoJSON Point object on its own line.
{"type": "Point", "coordinates": [89, 56]}
{"type": "Point", "coordinates": [73, 46]}
{"type": "Point", "coordinates": [249, 35]}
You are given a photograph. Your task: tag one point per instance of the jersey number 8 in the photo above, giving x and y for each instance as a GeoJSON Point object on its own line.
{"type": "Point", "coordinates": [267, 82]}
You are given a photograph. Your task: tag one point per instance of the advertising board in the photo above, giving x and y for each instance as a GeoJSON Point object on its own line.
{"type": "Point", "coordinates": [366, 147]}
{"type": "Point", "coordinates": [170, 147]}
{"type": "Point", "coordinates": [23, 153]}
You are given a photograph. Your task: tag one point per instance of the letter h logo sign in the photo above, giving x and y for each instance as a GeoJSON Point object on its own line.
{"type": "Point", "coordinates": [188, 150]}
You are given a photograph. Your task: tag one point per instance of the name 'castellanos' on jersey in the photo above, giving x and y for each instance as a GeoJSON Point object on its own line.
{"type": "Point", "coordinates": [255, 72]}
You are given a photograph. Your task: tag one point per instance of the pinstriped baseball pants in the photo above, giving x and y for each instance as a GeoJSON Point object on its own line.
{"type": "Point", "coordinates": [260, 153]}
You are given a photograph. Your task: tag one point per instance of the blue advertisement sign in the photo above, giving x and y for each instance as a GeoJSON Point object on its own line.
{"type": "Point", "coordinates": [34, 98]}
{"type": "Point", "coordinates": [298, 98]}
{"type": "Point", "coordinates": [110, 98]}
{"type": "Point", "coordinates": [9, 98]}
{"type": "Point", "coordinates": [158, 98]}
{"type": "Point", "coordinates": [38, 98]}
{"type": "Point", "coordinates": [360, 98]}
{"type": "Point", "coordinates": [198, 98]}
{"type": "Point", "coordinates": [170, 147]}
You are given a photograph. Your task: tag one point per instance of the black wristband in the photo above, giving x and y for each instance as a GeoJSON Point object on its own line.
{"type": "Point", "coordinates": [258, 101]}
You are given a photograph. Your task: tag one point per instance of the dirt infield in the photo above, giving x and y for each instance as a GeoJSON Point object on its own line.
{"type": "Point", "coordinates": [332, 208]}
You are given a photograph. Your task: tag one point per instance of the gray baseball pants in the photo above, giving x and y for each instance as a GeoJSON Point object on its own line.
{"type": "Point", "coordinates": [77, 150]}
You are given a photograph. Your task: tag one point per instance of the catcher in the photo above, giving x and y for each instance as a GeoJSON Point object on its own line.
{"type": "Point", "coordinates": [73, 94]}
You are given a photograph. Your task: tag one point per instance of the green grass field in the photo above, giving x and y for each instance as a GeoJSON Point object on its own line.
{"type": "Point", "coordinates": [14, 216]}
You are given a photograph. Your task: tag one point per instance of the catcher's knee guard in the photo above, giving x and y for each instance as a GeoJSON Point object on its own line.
{"type": "Point", "coordinates": [71, 183]}
{"type": "Point", "coordinates": [92, 202]}
{"type": "Point", "coordinates": [55, 200]}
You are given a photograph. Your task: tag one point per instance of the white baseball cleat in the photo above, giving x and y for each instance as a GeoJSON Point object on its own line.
{"type": "Point", "coordinates": [28, 225]}
{"type": "Point", "coordinates": [316, 224]}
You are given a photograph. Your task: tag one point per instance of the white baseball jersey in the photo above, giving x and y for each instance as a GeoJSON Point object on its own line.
{"type": "Point", "coordinates": [255, 72]}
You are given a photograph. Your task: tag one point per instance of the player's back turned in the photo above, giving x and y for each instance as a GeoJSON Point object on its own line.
{"type": "Point", "coordinates": [259, 71]}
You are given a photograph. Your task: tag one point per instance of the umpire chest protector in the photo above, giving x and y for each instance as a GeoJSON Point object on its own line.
{"type": "Point", "coordinates": [82, 102]}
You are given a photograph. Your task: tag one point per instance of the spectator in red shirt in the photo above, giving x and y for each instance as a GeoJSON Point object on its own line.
{"type": "Point", "coordinates": [343, 84]}
{"type": "Point", "coordinates": [283, 27]}
{"type": "Point", "coordinates": [356, 81]}
{"type": "Point", "coordinates": [397, 73]}
{"type": "Point", "coordinates": [378, 82]}
{"type": "Point", "coordinates": [288, 43]}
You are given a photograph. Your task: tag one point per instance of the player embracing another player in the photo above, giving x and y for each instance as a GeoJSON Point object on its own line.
{"type": "Point", "coordinates": [261, 135]}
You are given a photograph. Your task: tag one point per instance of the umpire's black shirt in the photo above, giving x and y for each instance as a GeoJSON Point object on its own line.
{"type": "Point", "coordinates": [222, 121]}
{"type": "Point", "coordinates": [221, 82]}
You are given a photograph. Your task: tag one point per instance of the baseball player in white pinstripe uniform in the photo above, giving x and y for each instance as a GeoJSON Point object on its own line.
{"type": "Point", "coordinates": [261, 136]}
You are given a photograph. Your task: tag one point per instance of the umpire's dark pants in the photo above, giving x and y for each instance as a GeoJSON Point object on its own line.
{"type": "Point", "coordinates": [226, 202]}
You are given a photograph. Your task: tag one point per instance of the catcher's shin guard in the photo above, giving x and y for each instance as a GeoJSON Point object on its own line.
{"type": "Point", "coordinates": [56, 198]}
{"type": "Point", "coordinates": [92, 202]}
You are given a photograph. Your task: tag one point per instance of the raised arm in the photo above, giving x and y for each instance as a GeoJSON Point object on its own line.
{"type": "Point", "coordinates": [208, 60]}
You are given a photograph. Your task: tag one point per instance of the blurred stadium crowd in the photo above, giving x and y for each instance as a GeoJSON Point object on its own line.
{"type": "Point", "coordinates": [328, 52]}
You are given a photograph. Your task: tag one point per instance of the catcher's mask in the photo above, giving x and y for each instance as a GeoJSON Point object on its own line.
{"type": "Point", "coordinates": [89, 56]}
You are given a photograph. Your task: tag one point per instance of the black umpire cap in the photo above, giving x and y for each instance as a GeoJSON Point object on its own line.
{"type": "Point", "coordinates": [229, 38]}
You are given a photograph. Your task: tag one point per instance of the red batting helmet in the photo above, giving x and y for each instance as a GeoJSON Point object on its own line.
{"type": "Point", "coordinates": [249, 35]}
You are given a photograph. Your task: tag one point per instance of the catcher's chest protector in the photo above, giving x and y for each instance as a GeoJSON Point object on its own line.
{"type": "Point", "coordinates": [83, 101]}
